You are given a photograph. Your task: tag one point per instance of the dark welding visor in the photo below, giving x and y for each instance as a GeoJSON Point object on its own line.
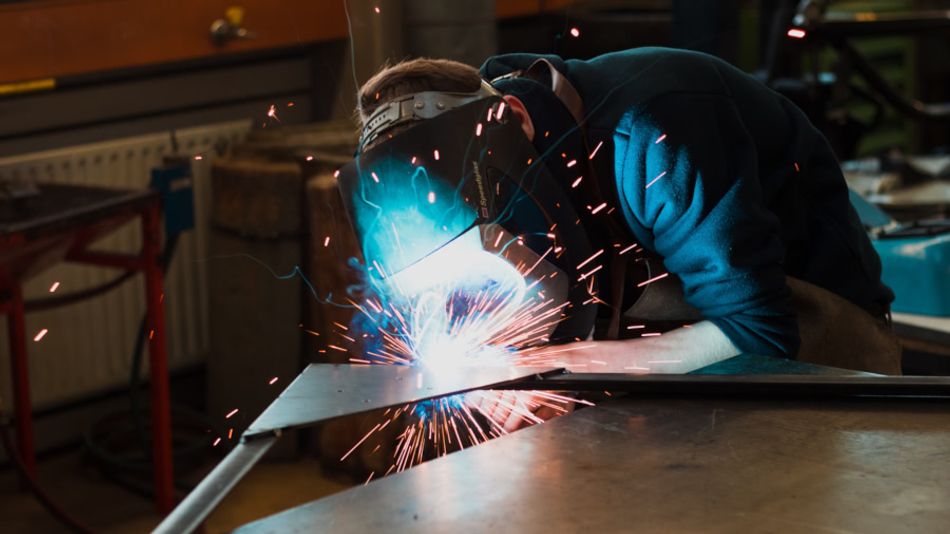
{"type": "Point", "coordinates": [410, 195]}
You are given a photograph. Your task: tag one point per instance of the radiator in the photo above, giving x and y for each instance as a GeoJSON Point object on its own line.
{"type": "Point", "coordinates": [88, 346]}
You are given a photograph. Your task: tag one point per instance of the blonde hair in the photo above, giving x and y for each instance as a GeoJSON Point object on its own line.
{"type": "Point", "coordinates": [414, 76]}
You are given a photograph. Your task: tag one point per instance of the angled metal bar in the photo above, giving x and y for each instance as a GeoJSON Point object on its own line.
{"type": "Point", "coordinates": [192, 511]}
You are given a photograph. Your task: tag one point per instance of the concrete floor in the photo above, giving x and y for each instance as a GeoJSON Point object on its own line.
{"type": "Point", "coordinates": [108, 508]}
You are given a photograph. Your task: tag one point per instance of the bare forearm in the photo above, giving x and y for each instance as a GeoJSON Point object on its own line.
{"type": "Point", "coordinates": [678, 351]}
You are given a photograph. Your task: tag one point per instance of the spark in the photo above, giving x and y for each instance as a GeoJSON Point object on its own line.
{"type": "Point", "coordinates": [598, 208]}
{"type": "Point", "coordinates": [231, 413]}
{"type": "Point", "coordinates": [309, 158]}
{"type": "Point", "coordinates": [40, 335]}
{"type": "Point", "coordinates": [596, 148]}
{"type": "Point", "coordinates": [571, 163]}
{"type": "Point", "coordinates": [54, 287]}
{"type": "Point", "coordinates": [290, 104]}
{"type": "Point", "coordinates": [501, 109]}
{"type": "Point", "coordinates": [376, 9]}
{"type": "Point", "coordinates": [272, 381]}
{"type": "Point", "coordinates": [216, 442]}
{"type": "Point", "coordinates": [589, 273]}
{"type": "Point", "coordinates": [796, 33]}
{"type": "Point", "coordinates": [198, 157]}
{"type": "Point", "coordinates": [588, 260]}
{"type": "Point", "coordinates": [151, 334]}
{"type": "Point", "coordinates": [636, 326]}
{"type": "Point", "coordinates": [624, 251]}
{"type": "Point", "coordinates": [431, 197]}
{"type": "Point", "coordinates": [796, 167]}
{"type": "Point", "coordinates": [230, 433]}
{"type": "Point", "coordinates": [664, 361]}
{"type": "Point", "coordinates": [435, 153]}
{"type": "Point", "coordinates": [577, 182]}
{"type": "Point", "coordinates": [478, 129]}
{"type": "Point", "coordinates": [659, 139]}
{"type": "Point", "coordinates": [653, 181]}
{"type": "Point", "coordinates": [336, 173]}
{"type": "Point", "coordinates": [654, 279]}
{"type": "Point", "coordinates": [575, 32]}
{"type": "Point", "coordinates": [326, 241]}
{"type": "Point", "coordinates": [272, 112]}
{"type": "Point", "coordinates": [375, 178]}
{"type": "Point", "coordinates": [651, 334]}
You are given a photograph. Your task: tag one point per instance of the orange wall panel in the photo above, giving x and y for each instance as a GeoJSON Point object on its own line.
{"type": "Point", "coordinates": [49, 39]}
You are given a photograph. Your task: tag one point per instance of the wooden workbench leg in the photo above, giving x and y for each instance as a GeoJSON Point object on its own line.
{"type": "Point", "coordinates": [158, 361]}
{"type": "Point", "coordinates": [21, 379]}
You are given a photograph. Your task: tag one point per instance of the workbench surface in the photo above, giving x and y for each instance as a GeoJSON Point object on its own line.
{"type": "Point", "coordinates": [671, 465]}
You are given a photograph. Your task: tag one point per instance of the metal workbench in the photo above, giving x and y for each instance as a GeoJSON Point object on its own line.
{"type": "Point", "coordinates": [751, 443]}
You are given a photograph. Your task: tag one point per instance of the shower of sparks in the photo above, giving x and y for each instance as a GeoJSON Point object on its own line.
{"type": "Point", "coordinates": [54, 287]}
{"type": "Point", "coordinates": [449, 325]}
{"type": "Point", "coordinates": [40, 335]}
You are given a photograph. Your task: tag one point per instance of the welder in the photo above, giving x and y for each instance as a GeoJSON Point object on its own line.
{"type": "Point", "coordinates": [734, 202]}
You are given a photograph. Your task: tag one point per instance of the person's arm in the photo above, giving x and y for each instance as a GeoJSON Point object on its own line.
{"type": "Point", "coordinates": [687, 177]}
{"type": "Point", "coordinates": [677, 351]}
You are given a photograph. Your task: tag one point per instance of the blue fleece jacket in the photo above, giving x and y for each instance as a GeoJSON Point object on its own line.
{"type": "Point", "coordinates": [729, 182]}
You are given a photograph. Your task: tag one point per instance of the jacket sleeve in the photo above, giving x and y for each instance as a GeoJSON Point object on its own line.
{"type": "Point", "coordinates": [687, 177]}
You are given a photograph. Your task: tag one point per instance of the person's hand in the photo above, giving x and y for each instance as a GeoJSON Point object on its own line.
{"type": "Point", "coordinates": [677, 351]}
{"type": "Point", "coordinates": [595, 357]}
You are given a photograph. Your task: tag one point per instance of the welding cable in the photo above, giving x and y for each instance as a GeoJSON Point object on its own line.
{"type": "Point", "coordinates": [45, 500]}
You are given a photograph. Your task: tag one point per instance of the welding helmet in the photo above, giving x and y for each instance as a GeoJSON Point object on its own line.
{"type": "Point", "coordinates": [462, 175]}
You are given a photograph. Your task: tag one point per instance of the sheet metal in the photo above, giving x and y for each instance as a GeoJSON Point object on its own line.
{"type": "Point", "coordinates": [325, 391]}
{"type": "Point", "coordinates": [647, 465]}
